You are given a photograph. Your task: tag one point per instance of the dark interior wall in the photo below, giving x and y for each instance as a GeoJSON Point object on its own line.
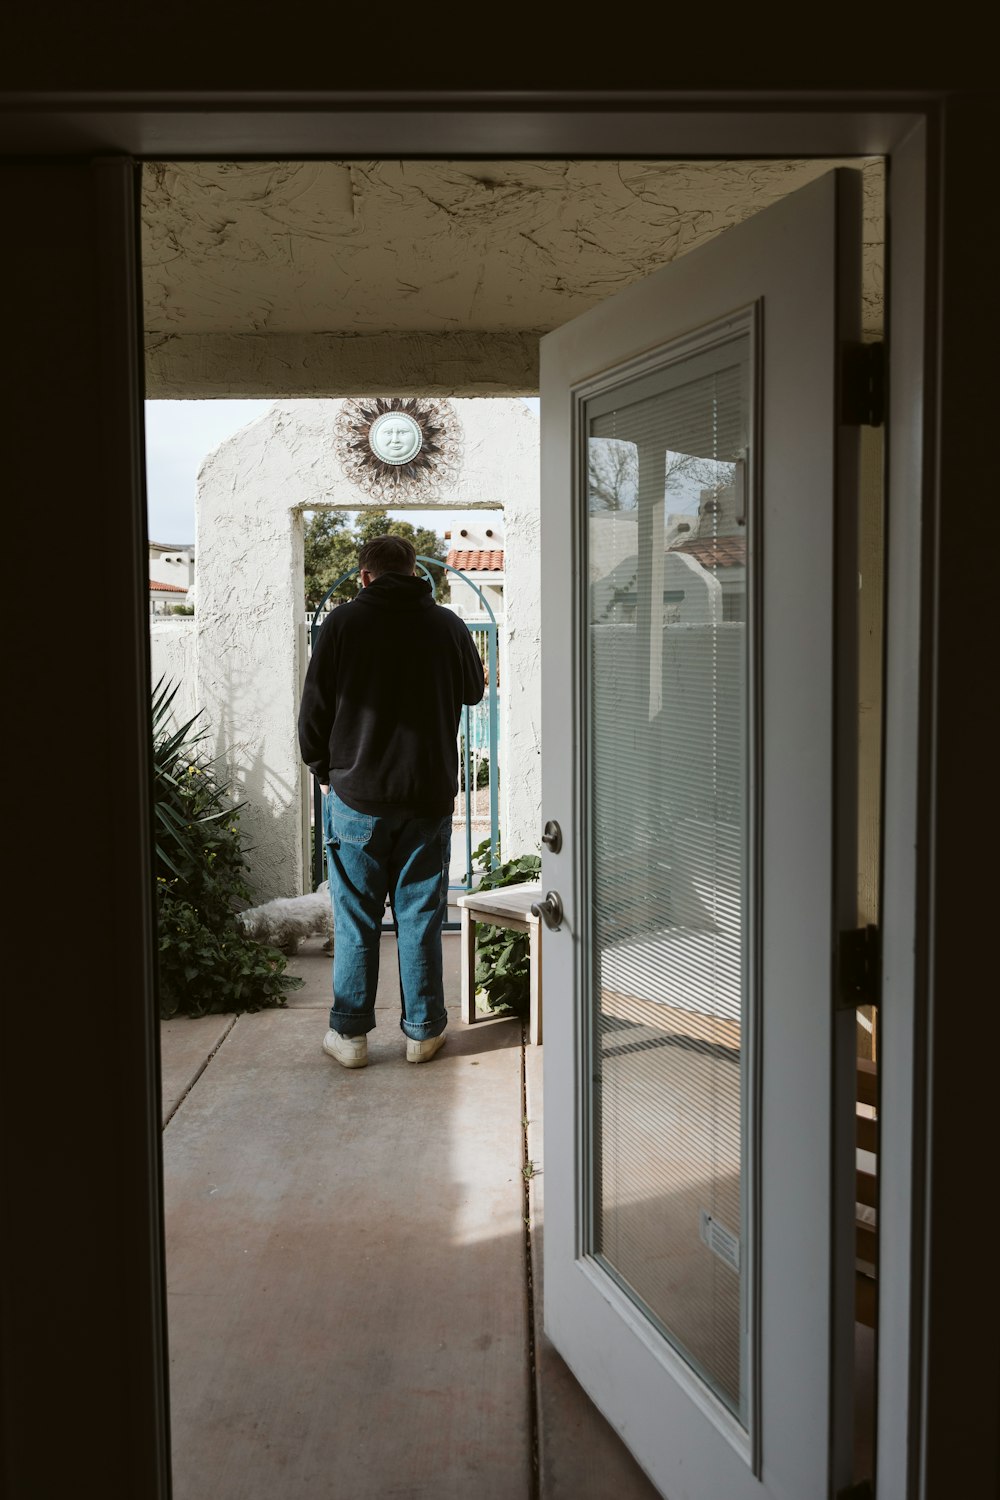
{"type": "Point", "coordinates": [960, 1421]}
{"type": "Point", "coordinates": [254, 48]}
{"type": "Point", "coordinates": [82, 1358]}
{"type": "Point", "coordinates": [82, 1364]}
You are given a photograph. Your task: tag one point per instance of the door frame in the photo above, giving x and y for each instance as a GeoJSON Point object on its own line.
{"type": "Point", "coordinates": [938, 283]}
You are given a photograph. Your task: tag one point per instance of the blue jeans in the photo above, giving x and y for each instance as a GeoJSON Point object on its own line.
{"type": "Point", "coordinates": [369, 858]}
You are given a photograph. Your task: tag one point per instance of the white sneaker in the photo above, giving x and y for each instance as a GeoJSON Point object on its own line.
{"type": "Point", "coordinates": [350, 1051]}
{"type": "Point", "coordinates": [417, 1052]}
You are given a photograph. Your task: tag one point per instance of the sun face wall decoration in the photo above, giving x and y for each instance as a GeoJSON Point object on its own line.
{"type": "Point", "coordinates": [399, 448]}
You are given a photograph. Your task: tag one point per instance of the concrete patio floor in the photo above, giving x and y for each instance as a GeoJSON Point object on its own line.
{"type": "Point", "coordinates": [354, 1265]}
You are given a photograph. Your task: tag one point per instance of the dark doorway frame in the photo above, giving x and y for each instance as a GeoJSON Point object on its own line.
{"type": "Point", "coordinates": [83, 1164]}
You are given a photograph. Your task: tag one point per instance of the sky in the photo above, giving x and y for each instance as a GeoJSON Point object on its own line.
{"type": "Point", "coordinates": [181, 434]}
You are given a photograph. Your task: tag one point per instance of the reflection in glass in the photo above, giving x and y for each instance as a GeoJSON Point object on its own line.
{"type": "Point", "coordinates": [666, 544]}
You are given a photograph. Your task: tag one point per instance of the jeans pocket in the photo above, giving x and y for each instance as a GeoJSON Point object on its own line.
{"type": "Point", "coordinates": [348, 826]}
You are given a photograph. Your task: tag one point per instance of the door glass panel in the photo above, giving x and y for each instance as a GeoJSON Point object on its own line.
{"type": "Point", "coordinates": [667, 532]}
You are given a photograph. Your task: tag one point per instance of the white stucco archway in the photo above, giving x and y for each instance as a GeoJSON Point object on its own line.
{"type": "Point", "coordinates": [251, 625]}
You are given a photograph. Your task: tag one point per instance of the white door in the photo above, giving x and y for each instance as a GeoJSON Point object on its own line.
{"type": "Point", "coordinates": [699, 588]}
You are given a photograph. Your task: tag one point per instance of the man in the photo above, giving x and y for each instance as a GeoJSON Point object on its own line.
{"type": "Point", "coordinates": [378, 728]}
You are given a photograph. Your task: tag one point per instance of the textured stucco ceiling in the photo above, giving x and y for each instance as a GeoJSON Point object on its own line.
{"type": "Point", "coordinates": [374, 259]}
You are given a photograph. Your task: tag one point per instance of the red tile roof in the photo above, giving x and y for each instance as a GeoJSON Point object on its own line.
{"type": "Point", "coordinates": [166, 588]}
{"type": "Point", "coordinates": [476, 562]}
{"type": "Point", "coordinates": [716, 552]}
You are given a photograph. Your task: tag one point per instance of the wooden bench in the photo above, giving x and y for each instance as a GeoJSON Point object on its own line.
{"type": "Point", "coordinates": [510, 907]}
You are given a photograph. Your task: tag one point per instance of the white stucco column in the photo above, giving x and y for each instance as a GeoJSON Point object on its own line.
{"type": "Point", "coordinates": [250, 613]}
{"type": "Point", "coordinates": [252, 492]}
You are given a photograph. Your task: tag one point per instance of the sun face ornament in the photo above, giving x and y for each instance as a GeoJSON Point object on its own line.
{"type": "Point", "coordinates": [395, 438]}
{"type": "Point", "coordinates": [399, 448]}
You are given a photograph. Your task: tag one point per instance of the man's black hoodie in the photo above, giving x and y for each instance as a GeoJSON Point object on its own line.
{"type": "Point", "coordinates": [383, 697]}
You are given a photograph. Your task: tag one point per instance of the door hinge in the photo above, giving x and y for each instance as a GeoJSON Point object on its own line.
{"type": "Point", "coordinates": [859, 967]}
{"type": "Point", "coordinates": [863, 393]}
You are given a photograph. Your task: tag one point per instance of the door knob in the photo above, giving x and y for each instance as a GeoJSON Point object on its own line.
{"type": "Point", "coordinates": [550, 910]}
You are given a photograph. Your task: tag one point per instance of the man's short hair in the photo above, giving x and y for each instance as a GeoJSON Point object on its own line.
{"type": "Point", "coordinates": [388, 554]}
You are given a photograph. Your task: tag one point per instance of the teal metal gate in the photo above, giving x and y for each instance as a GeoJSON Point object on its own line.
{"type": "Point", "coordinates": [478, 739]}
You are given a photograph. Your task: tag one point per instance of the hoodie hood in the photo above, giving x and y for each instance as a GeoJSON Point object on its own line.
{"type": "Point", "coordinates": [397, 592]}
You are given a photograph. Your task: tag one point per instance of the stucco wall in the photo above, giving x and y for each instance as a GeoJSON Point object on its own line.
{"type": "Point", "coordinates": [252, 494]}
{"type": "Point", "coordinates": [173, 650]}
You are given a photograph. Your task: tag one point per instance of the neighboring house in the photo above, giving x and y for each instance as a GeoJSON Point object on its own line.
{"type": "Point", "coordinates": [715, 540]}
{"type": "Point", "coordinates": [171, 575]}
{"type": "Point", "coordinates": [725, 558]}
{"type": "Point", "coordinates": [163, 597]}
{"type": "Point", "coordinates": [482, 566]}
{"type": "Point", "coordinates": [479, 554]}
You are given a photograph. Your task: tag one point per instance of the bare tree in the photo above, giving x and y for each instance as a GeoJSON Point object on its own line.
{"type": "Point", "coordinates": [613, 474]}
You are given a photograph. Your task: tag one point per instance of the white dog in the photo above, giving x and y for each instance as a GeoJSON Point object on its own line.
{"type": "Point", "coordinates": [284, 922]}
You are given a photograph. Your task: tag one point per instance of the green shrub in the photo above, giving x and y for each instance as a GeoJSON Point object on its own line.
{"type": "Point", "coordinates": [207, 963]}
{"type": "Point", "coordinates": [482, 768]}
{"type": "Point", "coordinates": [503, 969]}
